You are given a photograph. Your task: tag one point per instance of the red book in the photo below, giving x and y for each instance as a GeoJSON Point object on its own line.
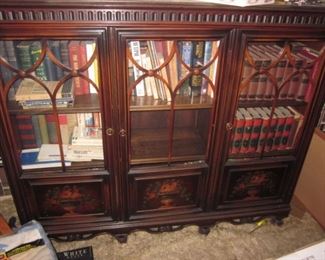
{"type": "Point", "coordinates": [269, 88]}
{"type": "Point", "coordinates": [253, 86]}
{"type": "Point", "coordinates": [279, 129]}
{"type": "Point", "coordinates": [263, 78]}
{"type": "Point", "coordinates": [314, 56]}
{"type": "Point", "coordinates": [257, 124]}
{"type": "Point", "coordinates": [247, 130]}
{"type": "Point", "coordinates": [287, 128]}
{"type": "Point", "coordinates": [237, 134]}
{"type": "Point", "coordinates": [25, 131]}
{"type": "Point", "coordinates": [296, 79]}
{"type": "Point", "coordinates": [304, 81]}
{"type": "Point", "coordinates": [264, 129]}
{"type": "Point", "coordinates": [82, 62]}
{"type": "Point", "coordinates": [247, 70]}
{"type": "Point", "coordinates": [282, 64]}
{"type": "Point", "coordinates": [51, 128]}
{"type": "Point", "coordinates": [74, 61]}
{"type": "Point", "coordinates": [296, 126]}
{"type": "Point", "coordinates": [271, 129]}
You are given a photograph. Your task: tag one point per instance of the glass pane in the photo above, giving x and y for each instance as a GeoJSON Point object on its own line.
{"type": "Point", "coordinates": [278, 83]}
{"type": "Point", "coordinates": [171, 89]}
{"type": "Point", "coordinates": [82, 134]}
{"type": "Point", "coordinates": [191, 131]}
{"type": "Point", "coordinates": [53, 101]}
{"type": "Point", "coordinates": [149, 135]}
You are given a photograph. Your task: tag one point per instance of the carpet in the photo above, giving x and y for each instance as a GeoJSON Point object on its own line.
{"type": "Point", "coordinates": [225, 241]}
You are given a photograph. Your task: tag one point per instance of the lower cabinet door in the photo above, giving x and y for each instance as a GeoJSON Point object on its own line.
{"type": "Point", "coordinates": [164, 193]}
{"type": "Point", "coordinates": [254, 184]}
{"type": "Point", "coordinates": [53, 198]}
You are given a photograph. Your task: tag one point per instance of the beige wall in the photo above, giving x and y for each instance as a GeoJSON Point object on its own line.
{"type": "Point", "coordinates": [310, 189]}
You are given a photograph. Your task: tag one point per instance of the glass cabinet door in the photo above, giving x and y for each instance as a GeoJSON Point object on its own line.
{"type": "Point", "coordinates": [277, 87]}
{"type": "Point", "coordinates": [51, 88]}
{"type": "Point", "coordinates": [171, 91]}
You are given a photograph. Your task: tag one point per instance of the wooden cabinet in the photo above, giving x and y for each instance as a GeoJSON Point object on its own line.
{"type": "Point", "coordinates": [145, 115]}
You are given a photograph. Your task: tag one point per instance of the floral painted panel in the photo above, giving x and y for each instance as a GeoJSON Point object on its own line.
{"type": "Point", "coordinates": [167, 193]}
{"type": "Point", "coordinates": [254, 184]}
{"type": "Point", "coordinates": [69, 199]}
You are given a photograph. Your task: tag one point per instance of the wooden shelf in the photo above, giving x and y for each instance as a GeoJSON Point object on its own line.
{"type": "Point", "coordinates": [82, 103]}
{"type": "Point", "coordinates": [150, 144]}
{"type": "Point", "coordinates": [147, 103]}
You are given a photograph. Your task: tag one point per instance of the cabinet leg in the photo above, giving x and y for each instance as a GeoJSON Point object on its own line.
{"type": "Point", "coordinates": [122, 238]}
{"type": "Point", "coordinates": [204, 230]}
{"type": "Point", "coordinates": [277, 220]}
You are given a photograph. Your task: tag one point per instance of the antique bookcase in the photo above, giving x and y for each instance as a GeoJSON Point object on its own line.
{"type": "Point", "coordinates": [124, 115]}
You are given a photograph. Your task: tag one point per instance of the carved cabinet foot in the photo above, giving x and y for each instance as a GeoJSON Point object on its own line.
{"type": "Point", "coordinates": [122, 238]}
{"type": "Point", "coordinates": [204, 230]}
{"type": "Point", "coordinates": [277, 220]}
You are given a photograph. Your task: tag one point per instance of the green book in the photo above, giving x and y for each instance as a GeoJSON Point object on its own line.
{"type": "Point", "coordinates": [35, 52]}
{"type": "Point", "coordinates": [23, 55]}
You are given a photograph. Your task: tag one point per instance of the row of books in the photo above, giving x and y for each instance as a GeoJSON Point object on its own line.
{"type": "Point", "coordinates": [152, 54]}
{"type": "Point", "coordinates": [72, 54]}
{"type": "Point", "coordinates": [294, 72]}
{"type": "Point", "coordinates": [32, 131]}
{"type": "Point", "coordinates": [321, 122]}
{"type": "Point", "coordinates": [31, 94]}
{"type": "Point", "coordinates": [255, 131]}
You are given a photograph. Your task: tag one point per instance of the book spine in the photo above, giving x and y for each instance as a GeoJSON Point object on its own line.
{"type": "Point", "coordinates": [253, 86]}
{"type": "Point", "coordinates": [93, 68]}
{"type": "Point", "coordinates": [286, 132]}
{"type": "Point", "coordinates": [197, 62]}
{"type": "Point", "coordinates": [238, 135]}
{"type": "Point", "coordinates": [26, 131]}
{"type": "Point", "coordinates": [246, 135]}
{"type": "Point", "coordinates": [278, 133]}
{"type": "Point", "coordinates": [136, 53]}
{"type": "Point", "coordinates": [43, 129]}
{"type": "Point", "coordinates": [5, 74]}
{"type": "Point", "coordinates": [295, 80]}
{"type": "Point", "coordinates": [232, 136]}
{"type": "Point", "coordinates": [35, 51]}
{"type": "Point", "coordinates": [313, 73]}
{"type": "Point", "coordinates": [74, 61]}
{"type": "Point", "coordinates": [51, 129]}
{"type": "Point", "coordinates": [55, 48]}
{"type": "Point", "coordinates": [247, 70]}
{"type": "Point", "coordinates": [263, 135]}
{"type": "Point", "coordinates": [64, 53]}
{"type": "Point", "coordinates": [256, 129]}
{"type": "Point", "coordinates": [271, 134]}
{"type": "Point", "coordinates": [82, 62]}
{"type": "Point", "coordinates": [63, 120]}
{"type": "Point", "coordinates": [23, 55]}
{"type": "Point", "coordinates": [285, 88]}
{"type": "Point", "coordinates": [37, 130]}
{"type": "Point", "coordinates": [303, 86]}
{"type": "Point", "coordinates": [186, 50]}
{"type": "Point", "coordinates": [50, 69]}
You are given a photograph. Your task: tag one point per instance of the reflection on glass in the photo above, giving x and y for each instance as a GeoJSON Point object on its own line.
{"type": "Point", "coordinates": [171, 88]}
{"type": "Point", "coordinates": [164, 70]}
{"type": "Point", "coordinates": [42, 78]}
{"type": "Point", "coordinates": [191, 131]}
{"type": "Point", "coordinates": [149, 135]}
{"type": "Point", "coordinates": [278, 82]}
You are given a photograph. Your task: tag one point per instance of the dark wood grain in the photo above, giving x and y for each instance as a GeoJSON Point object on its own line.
{"type": "Point", "coordinates": [152, 142]}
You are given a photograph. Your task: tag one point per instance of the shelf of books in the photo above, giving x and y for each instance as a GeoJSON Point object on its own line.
{"type": "Point", "coordinates": [278, 82]}
{"type": "Point", "coordinates": [171, 88]}
{"type": "Point", "coordinates": [51, 87]}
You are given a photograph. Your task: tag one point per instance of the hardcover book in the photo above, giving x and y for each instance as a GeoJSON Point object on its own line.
{"type": "Point", "coordinates": [85, 253]}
